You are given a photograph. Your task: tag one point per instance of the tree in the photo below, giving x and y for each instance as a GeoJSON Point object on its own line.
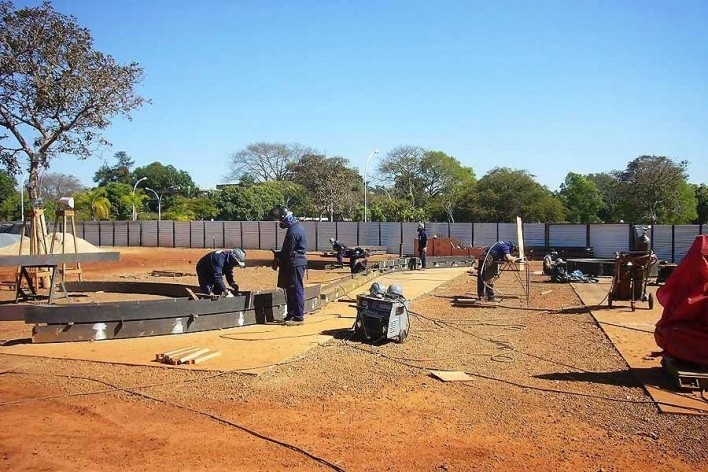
{"type": "Point", "coordinates": [9, 198]}
{"type": "Point", "coordinates": [93, 204]}
{"type": "Point", "coordinates": [262, 161]}
{"type": "Point", "coordinates": [401, 167]}
{"type": "Point", "coordinates": [120, 197]}
{"type": "Point", "coordinates": [581, 199]}
{"type": "Point", "coordinates": [56, 91]}
{"type": "Point", "coordinates": [120, 172]}
{"type": "Point", "coordinates": [504, 194]}
{"type": "Point", "coordinates": [55, 186]}
{"type": "Point", "coordinates": [654, 190]}
{"type": "Point", "coordinates": [701, 192]}
{"type": "Point", "coordinates": [164, 179]}
{"type": "Point", "coordinates": [608, 186]}
{"type": "Point", "coordinates": [444, 180]}
{"type": "Point", "coordinates": [191, 209]}
{"type": "Point", "coordinates": [330, 182]}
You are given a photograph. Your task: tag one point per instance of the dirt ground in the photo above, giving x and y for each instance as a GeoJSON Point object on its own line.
{"type": "Point", "coordinates": [548, 392]}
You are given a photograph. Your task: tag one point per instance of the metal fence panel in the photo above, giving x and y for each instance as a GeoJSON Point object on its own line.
{"type": "Point", "coordinates": [91, 232]}
{"type": "Point", "coordinates": [183, 233]}
{"type": "Point", "coordinates": [485, 234]}
{"type": "Point", "coordinates": [232, 234]}
{"type": "Point", "coordinates": [149, 234]}
{"type": "Point", "coordinates": [166, 234]}
{"type": "Point", "coordinates": [391, 237]}
{"type": "Point", "coordinates": [214, 234]}
{"type": "Point", "coordinates": [507, 232]}
{"type": "Point", "coordinates": [311, 231]}
{"type": "Point", "coordinates": [134, 233]}
{"type": "Point", "coordinates": [462, 232]}
{"type": "Point", "coordinates": [567, 235]}
{"type": "Point", "coordinates": [684, 235]}
{"type": "Point", "coordinates": [409, 233]}
{"type": "Point", "coordinates": [106, 232]}
{"type": "Point", "coordinates": [348, 233]}
{"type": "Point", "coordinates": [120, 233]}
{"type": "Point", "coordinates": [369, 234]}
{"type": "Point", "coordinates": [661, 241]}
{"type": "Point", "coordinates": [606, 239]}
{"type": "Point", "coordinates": [196, 234]}
{"type": "Point", "coordinates": [269, 237]}
{"type": "Point", "coordinates": [251, 238]}
{"type": "Point", "coordinates": [441, 230]}
{"type": "Point", "coordinates": [325, 230]}
{"type": "Point", "coordinates": [534, 234]}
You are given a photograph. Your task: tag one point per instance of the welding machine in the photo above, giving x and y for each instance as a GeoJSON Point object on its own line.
{"type": "Point", "coordinates": [382, 315]}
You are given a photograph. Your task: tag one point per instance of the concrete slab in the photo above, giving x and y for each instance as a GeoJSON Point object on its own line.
{"type": "Point", "coordinates": [632, 333]}
{"type": "Point", "coordinates": [250, 348]}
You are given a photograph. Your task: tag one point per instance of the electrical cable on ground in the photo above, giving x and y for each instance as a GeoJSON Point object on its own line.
{"type": "Point", "coordinates": [219, 419]}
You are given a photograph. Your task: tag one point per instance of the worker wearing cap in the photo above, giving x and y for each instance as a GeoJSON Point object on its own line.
{"type": "Point", "coordinates": [549, 261]}
{"type": "Point", "coordinates": [488, 267]}
{"type": "Point", "coordinates": [292, 263]}
{"type": "Point", "coordinates": [422, 244]}
{"type": "Point", "coordinates": [212, 268]}
{"type": "Point", "coordinates": [339, 248]}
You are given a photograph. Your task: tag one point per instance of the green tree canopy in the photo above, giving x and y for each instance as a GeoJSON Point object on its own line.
{"type": "Point", "coordinates": [332, 185]}
{"type": "Point", "coordinates": [701, 192]}
{"type": "Point", "coordinates": [93, 204]}
{"type": "Point", "coordinates": [581, 199]}
{"type": "Point", "coordinates": [120, 172]}
{"type": "Point", "coordinates": [162, 178]}
{"type": "Point", "coordinates": [504, 194]}
{"type": "Point", "coordinates": [653, 189]}
{"type": "Point", "coordinates": [56, 91]}
{"type": "Point", "coordinates": [9, 198]}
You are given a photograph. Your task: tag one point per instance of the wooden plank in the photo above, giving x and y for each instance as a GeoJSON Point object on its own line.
{"type": "Point", "coordinates": [451, 375]}
{"type": "Point", "coordinates": [162, 355]}
{"type": "Point", "coordinates": [192, 355]}
{"type": "Point", "coordinates": [190, 292]}
{"type": "Point", "coordinates": [206, 357]}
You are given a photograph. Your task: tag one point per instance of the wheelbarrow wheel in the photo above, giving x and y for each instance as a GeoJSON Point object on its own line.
{"type": "Point", "coordinates": [651, 301]}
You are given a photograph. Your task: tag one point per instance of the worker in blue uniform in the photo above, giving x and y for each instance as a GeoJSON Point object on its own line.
{"type": "Point", "coordinates": [488, 267]}
{"type": "Point", "coordinates": [422, 245]}
{"type": "Point", "coordinates": [291, 262]}
{"type": "Point", "coordinates": [214, 266]}
{"type": "Point", "coordinates": [339, 248]}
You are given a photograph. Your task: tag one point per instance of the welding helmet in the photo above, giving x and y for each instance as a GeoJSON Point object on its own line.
{"type": "Point", "coordinates": [394, 290]}
{"type": "Point", "coordinates": [512, 246]}
{"type": "Point", "coordinates": [376, 290]}
{"type": "Point", "coordinates": [239, 256]}
{"type": "Point", "coordinates": [284, 216]}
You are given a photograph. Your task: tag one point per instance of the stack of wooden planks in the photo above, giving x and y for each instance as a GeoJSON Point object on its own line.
{"type": "Point", "coordinates": [187, 355]}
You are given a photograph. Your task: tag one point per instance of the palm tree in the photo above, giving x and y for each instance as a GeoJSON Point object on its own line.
{"type": "Point", "coordinates": [95, 203]}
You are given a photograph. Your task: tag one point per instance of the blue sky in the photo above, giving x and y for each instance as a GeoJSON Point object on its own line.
{"type": "Point", "coordinates": [549, 87]}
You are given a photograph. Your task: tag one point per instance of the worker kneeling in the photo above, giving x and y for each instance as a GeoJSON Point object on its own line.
{"type": "Point", "coordinates": [214, 266]}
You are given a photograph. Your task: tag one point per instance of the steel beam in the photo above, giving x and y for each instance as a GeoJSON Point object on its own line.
{"type": "Point", "coordinates": [40, 260]}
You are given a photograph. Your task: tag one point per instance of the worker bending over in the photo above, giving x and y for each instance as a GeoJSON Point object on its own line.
{"type": "Point", "coordinates": [549, 261]}
{"type": "Point", "coordinates": [339, 248]}
{"type": "Point", "coordinates": [488, 267]}
{"type": "Point", "coordinates": [212, 268]}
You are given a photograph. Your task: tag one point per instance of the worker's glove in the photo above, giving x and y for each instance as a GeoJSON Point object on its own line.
{"type": "Point", "coordinates": [274, 265]}
{"type": "Point", "coordinates": [425, 249]}
{"type": "Point", "coordinates": [227, 294]}
{"type": "Point", "coordinates": [234, 287]}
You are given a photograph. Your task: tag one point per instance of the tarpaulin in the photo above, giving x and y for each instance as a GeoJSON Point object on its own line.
{"type": "Point", "coordinates": [682, 331]}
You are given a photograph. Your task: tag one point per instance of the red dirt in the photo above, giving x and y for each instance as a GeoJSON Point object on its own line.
{"type": "Point", "coordinates": [358, 406]}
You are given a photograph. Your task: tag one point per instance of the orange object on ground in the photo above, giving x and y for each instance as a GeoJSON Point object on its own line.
{"type": "Point", "coordinates": [682, 330]}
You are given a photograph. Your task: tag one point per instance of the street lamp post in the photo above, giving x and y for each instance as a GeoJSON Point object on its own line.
{"type": "Point", "coordinates": [135, 214]}
{"type": "Point", "coordinates": [366, 175]}
{"type": "Point", "coordinates": [159, 199]}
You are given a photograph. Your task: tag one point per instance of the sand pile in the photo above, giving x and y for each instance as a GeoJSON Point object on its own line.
{"type": "Point", "coordinates": [81, 245]}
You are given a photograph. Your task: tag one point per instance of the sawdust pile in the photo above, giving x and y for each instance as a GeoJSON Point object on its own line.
{"type": "Point", "coordinates": [81, 245]}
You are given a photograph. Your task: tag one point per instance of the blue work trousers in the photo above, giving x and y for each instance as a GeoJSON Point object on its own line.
{"type": "Point", "coordinates": [293, 280]}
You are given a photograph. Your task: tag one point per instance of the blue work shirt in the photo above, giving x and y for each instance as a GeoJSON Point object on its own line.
{"type": "Point", "coordinates": [422, 238]}
{"type": "Point", "coordinates": [499, 250]}
{"type": "Point", "coordinates": [220, 263]}
{"type": "Point", "coordinates": [294, 247]}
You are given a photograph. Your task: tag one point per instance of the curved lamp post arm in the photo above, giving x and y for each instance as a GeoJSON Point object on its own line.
{"type": "Point", "coordinates": [135, 215]}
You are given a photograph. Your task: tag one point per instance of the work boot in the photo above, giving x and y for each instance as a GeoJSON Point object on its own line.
{"type": "Point", "coordinates": [294, 322]}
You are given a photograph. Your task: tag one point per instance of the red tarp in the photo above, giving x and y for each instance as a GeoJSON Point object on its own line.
{"type": "Point", "coordinates": [682, 331]}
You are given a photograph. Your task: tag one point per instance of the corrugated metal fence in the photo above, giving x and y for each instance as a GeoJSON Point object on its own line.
{"type": "Point", "coordinates": [669, 242]}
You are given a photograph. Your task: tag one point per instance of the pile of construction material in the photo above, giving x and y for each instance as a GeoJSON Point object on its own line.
{"type": "Point", "coordinates": [187, 355]}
